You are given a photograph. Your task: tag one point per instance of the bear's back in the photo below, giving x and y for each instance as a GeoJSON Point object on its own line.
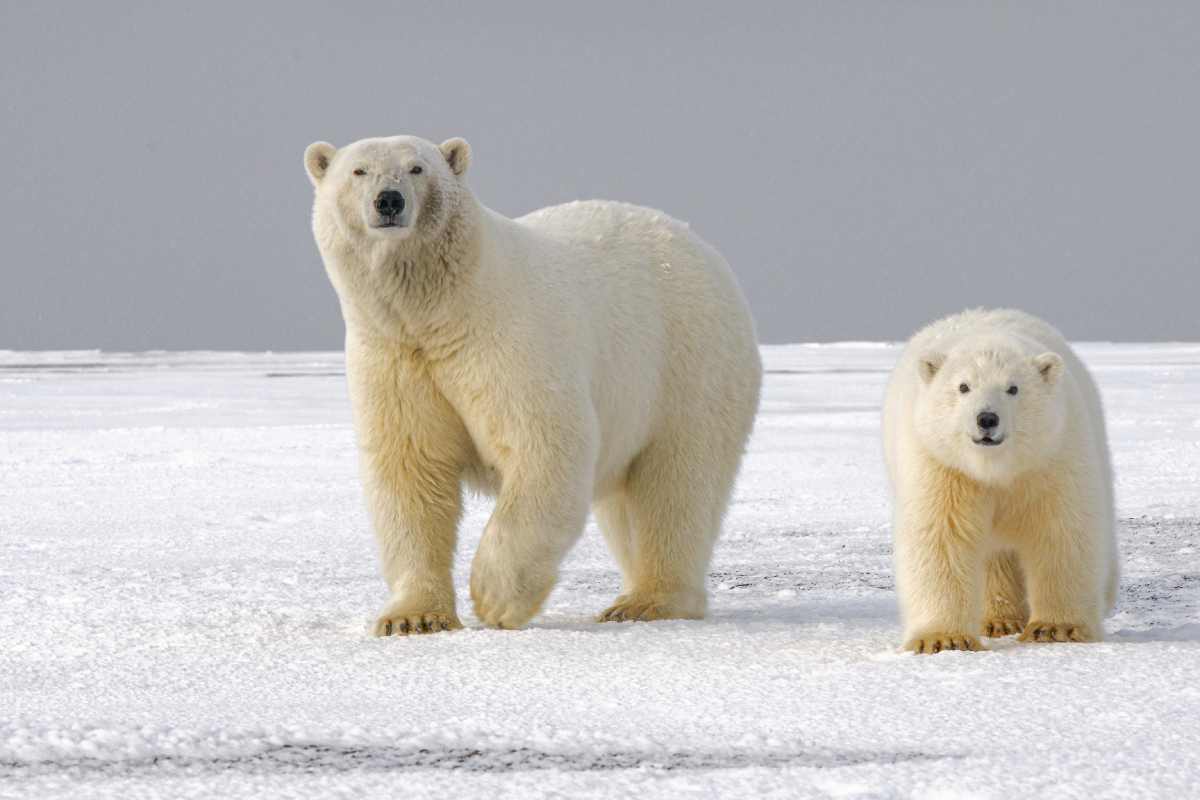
{"type": "Point", "coordinates": [604, 218]}
{"type": "Point", "coordinates": [1032, 333]}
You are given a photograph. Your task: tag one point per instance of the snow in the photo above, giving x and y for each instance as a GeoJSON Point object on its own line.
{"type": "Point", "coordinates": [186, 577]}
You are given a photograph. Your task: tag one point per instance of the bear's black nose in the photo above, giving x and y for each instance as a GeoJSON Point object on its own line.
{"type": "Point", "coordinates": [389, 203]}
{"type": "Point", "coordinates": [987, 420]}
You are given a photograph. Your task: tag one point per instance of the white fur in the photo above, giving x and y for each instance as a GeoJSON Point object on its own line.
{"type": "Point", "coordinates": [592, 354]}
{"type": "Point", "coordinates": [1006, 538]}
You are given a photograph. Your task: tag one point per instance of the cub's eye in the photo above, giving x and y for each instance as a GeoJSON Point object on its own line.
{"type": "Point", "coordinates": [1013, 390]}
{"type": "Point", "coordinates": [360, 171]}
{"type": "Point", "coordinates": [963, 388]}
{"type": "Point", "coordinates": [417, 170]}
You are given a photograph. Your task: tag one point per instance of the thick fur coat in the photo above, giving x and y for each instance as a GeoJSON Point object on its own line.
{"type": "Point", "coordinates": [996, 449]}
{"type": "Point", "coordinates": [593, 355]}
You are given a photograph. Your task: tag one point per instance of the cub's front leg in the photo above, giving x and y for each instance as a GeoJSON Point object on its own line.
{"type": "Point", "coordinates": [412, 449]}
{"type": "Point", "coordinates": [939, 559]}
{"type": "Point", "coordinates": [1067, 577]}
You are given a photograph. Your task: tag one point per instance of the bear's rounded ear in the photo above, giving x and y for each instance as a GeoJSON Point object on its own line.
{"type": "Point", "coordinates": [457, 154]}
{"type": "Point", "coordinates": [1049, 365]}
{"type": "Point", "coordinates": [929, 365]}
{"type": "Point", "coordinates": [317, 157]}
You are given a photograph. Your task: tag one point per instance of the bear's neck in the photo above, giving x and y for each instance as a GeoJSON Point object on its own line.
{"type": "Point", "coordinates": [407, 292]}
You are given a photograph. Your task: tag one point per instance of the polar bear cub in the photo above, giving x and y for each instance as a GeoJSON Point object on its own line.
{"type": "Point", "coordinates": [589, 355]}
{"type": "Point", "coordinates": [996, 449]}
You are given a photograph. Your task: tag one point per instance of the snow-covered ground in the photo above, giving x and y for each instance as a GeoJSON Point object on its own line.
{"type": "Point", "coordinates": [186, 577]}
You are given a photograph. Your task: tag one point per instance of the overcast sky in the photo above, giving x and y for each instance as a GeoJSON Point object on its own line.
{"type": "Point", "coordinates": [864, 167]}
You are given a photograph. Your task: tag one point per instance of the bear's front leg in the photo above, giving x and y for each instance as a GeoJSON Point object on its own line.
{"type": "Point", "coordinates": [939, 590]}
{"type": "Point", "coordinates": [416, 541]}
{"type": "Point", "coordinates": [539, 514]}
{"type": "Point", "coordinates": [1066, 581]}
{"type": "Point", "coordinates": [939, 562]}
{"type": "Point", "coordinates": [412, 448]}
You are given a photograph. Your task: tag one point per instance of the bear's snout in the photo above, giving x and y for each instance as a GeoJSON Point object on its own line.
{"type": "Point", "coordinates": [389, 203]}
{"type": "Point", "coordinates": [987, 420]}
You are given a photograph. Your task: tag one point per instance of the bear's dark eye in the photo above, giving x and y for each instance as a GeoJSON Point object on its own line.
{"type": "Point", "coordinates": [963, 388]}
{"type": "Point", "coordinates": [360, 171]}
{"type": "Point", "coordinates": [417, 170]}
{"type": "Point", "coordinates": [1012, 390]}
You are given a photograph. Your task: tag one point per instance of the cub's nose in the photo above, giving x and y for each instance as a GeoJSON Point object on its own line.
{"type": "Point", "coordinates": [988, 420]}
{"type": "Point", "coordinates": [389, 202]}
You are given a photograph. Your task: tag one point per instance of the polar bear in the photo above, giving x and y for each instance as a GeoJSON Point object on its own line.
{"type": "Point", "coordinates": [593, 354]}
{"type": "Point", "coordinates": [996, 449]}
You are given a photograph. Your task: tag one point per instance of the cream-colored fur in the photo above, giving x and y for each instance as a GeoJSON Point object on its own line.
{"type": "Point", "coordinates": [589, 355]}
{"type": "Point", "coordinates": [1014, 537]}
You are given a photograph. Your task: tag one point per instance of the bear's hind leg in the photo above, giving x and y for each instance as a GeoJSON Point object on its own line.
{"type": "Point", "coordinates": [613, 517]}
{"type": "Point", "coordinates": [675, 500]}
{"type": "Point", "coordinates": [1006, 611]}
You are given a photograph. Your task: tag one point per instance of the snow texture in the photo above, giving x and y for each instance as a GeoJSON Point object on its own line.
{"type": "Point", "coordinates": [187, 574]}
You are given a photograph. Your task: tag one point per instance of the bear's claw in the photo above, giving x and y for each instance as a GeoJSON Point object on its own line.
{"type": "Point", "coordinates": [930, 643]}
{"type": "Point", "coordinates": [403, 624]}
{"type": "Point", "coordinates": [1002, 626]}
{"type": "Point", "coordinates": [1037, 631]}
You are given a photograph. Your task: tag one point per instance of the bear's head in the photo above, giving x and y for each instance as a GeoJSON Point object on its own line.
{"type": "Point", "coordinates": [989, 410]}
{"type": "Point", "coordinates": [387, 190]}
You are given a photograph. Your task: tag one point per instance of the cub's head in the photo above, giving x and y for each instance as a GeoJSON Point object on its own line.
{"type": "Point", "coordinates": [386, 190]}
{"type": "Point", "coordinates": [990, 411]}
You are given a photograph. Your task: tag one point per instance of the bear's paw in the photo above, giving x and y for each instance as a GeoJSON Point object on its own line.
{"type": "Point", "coordinates": [996, 627]}
{"type": "Point", "coordinates": [1039, 631]}
{"type": "Point", "coordinates": [936, 642]}
{"type": "Point", "coordinates": [508, 598]}
{"type": "Point", "coordinates": [401, 621]}
{"type": "Point", "coordinates": [646, 608]}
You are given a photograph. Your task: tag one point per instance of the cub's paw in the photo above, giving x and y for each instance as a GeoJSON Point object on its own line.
{"type": "Point", "coordinates": [936, 642]}
{"type": "Point", "coordinates": [644, 608]}
{"type": "Point", "coordinates": [995, 627]}
{"type": "Point", "coordinates": [504, 600]}
{"type": "Point", "coordinates": [1038, 631]}
{"type": "Point", "coordinates": [404, 620]}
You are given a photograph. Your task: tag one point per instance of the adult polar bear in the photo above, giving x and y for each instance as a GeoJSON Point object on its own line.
{"type": "Point", "coordinates": [589, 354]}
{"type": "Point", "coordinates": [996, 449]}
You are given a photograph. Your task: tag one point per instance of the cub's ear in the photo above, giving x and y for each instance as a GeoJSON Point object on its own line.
{"type": "Point", "coordinates": [929, 365]}
{"type": "Point", "coordinates": [457, 153]}
{"type": "Point", "coordinates": [1049, 365]}
{"type": "Point", "coordinates": [317, 157]}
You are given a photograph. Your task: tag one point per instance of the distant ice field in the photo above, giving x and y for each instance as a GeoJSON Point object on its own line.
{"type": "Point", "coordinates": [187, 575]}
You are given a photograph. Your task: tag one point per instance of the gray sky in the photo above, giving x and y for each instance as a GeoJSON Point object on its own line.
{"type": "Point", "coordinates": [863, 166]}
